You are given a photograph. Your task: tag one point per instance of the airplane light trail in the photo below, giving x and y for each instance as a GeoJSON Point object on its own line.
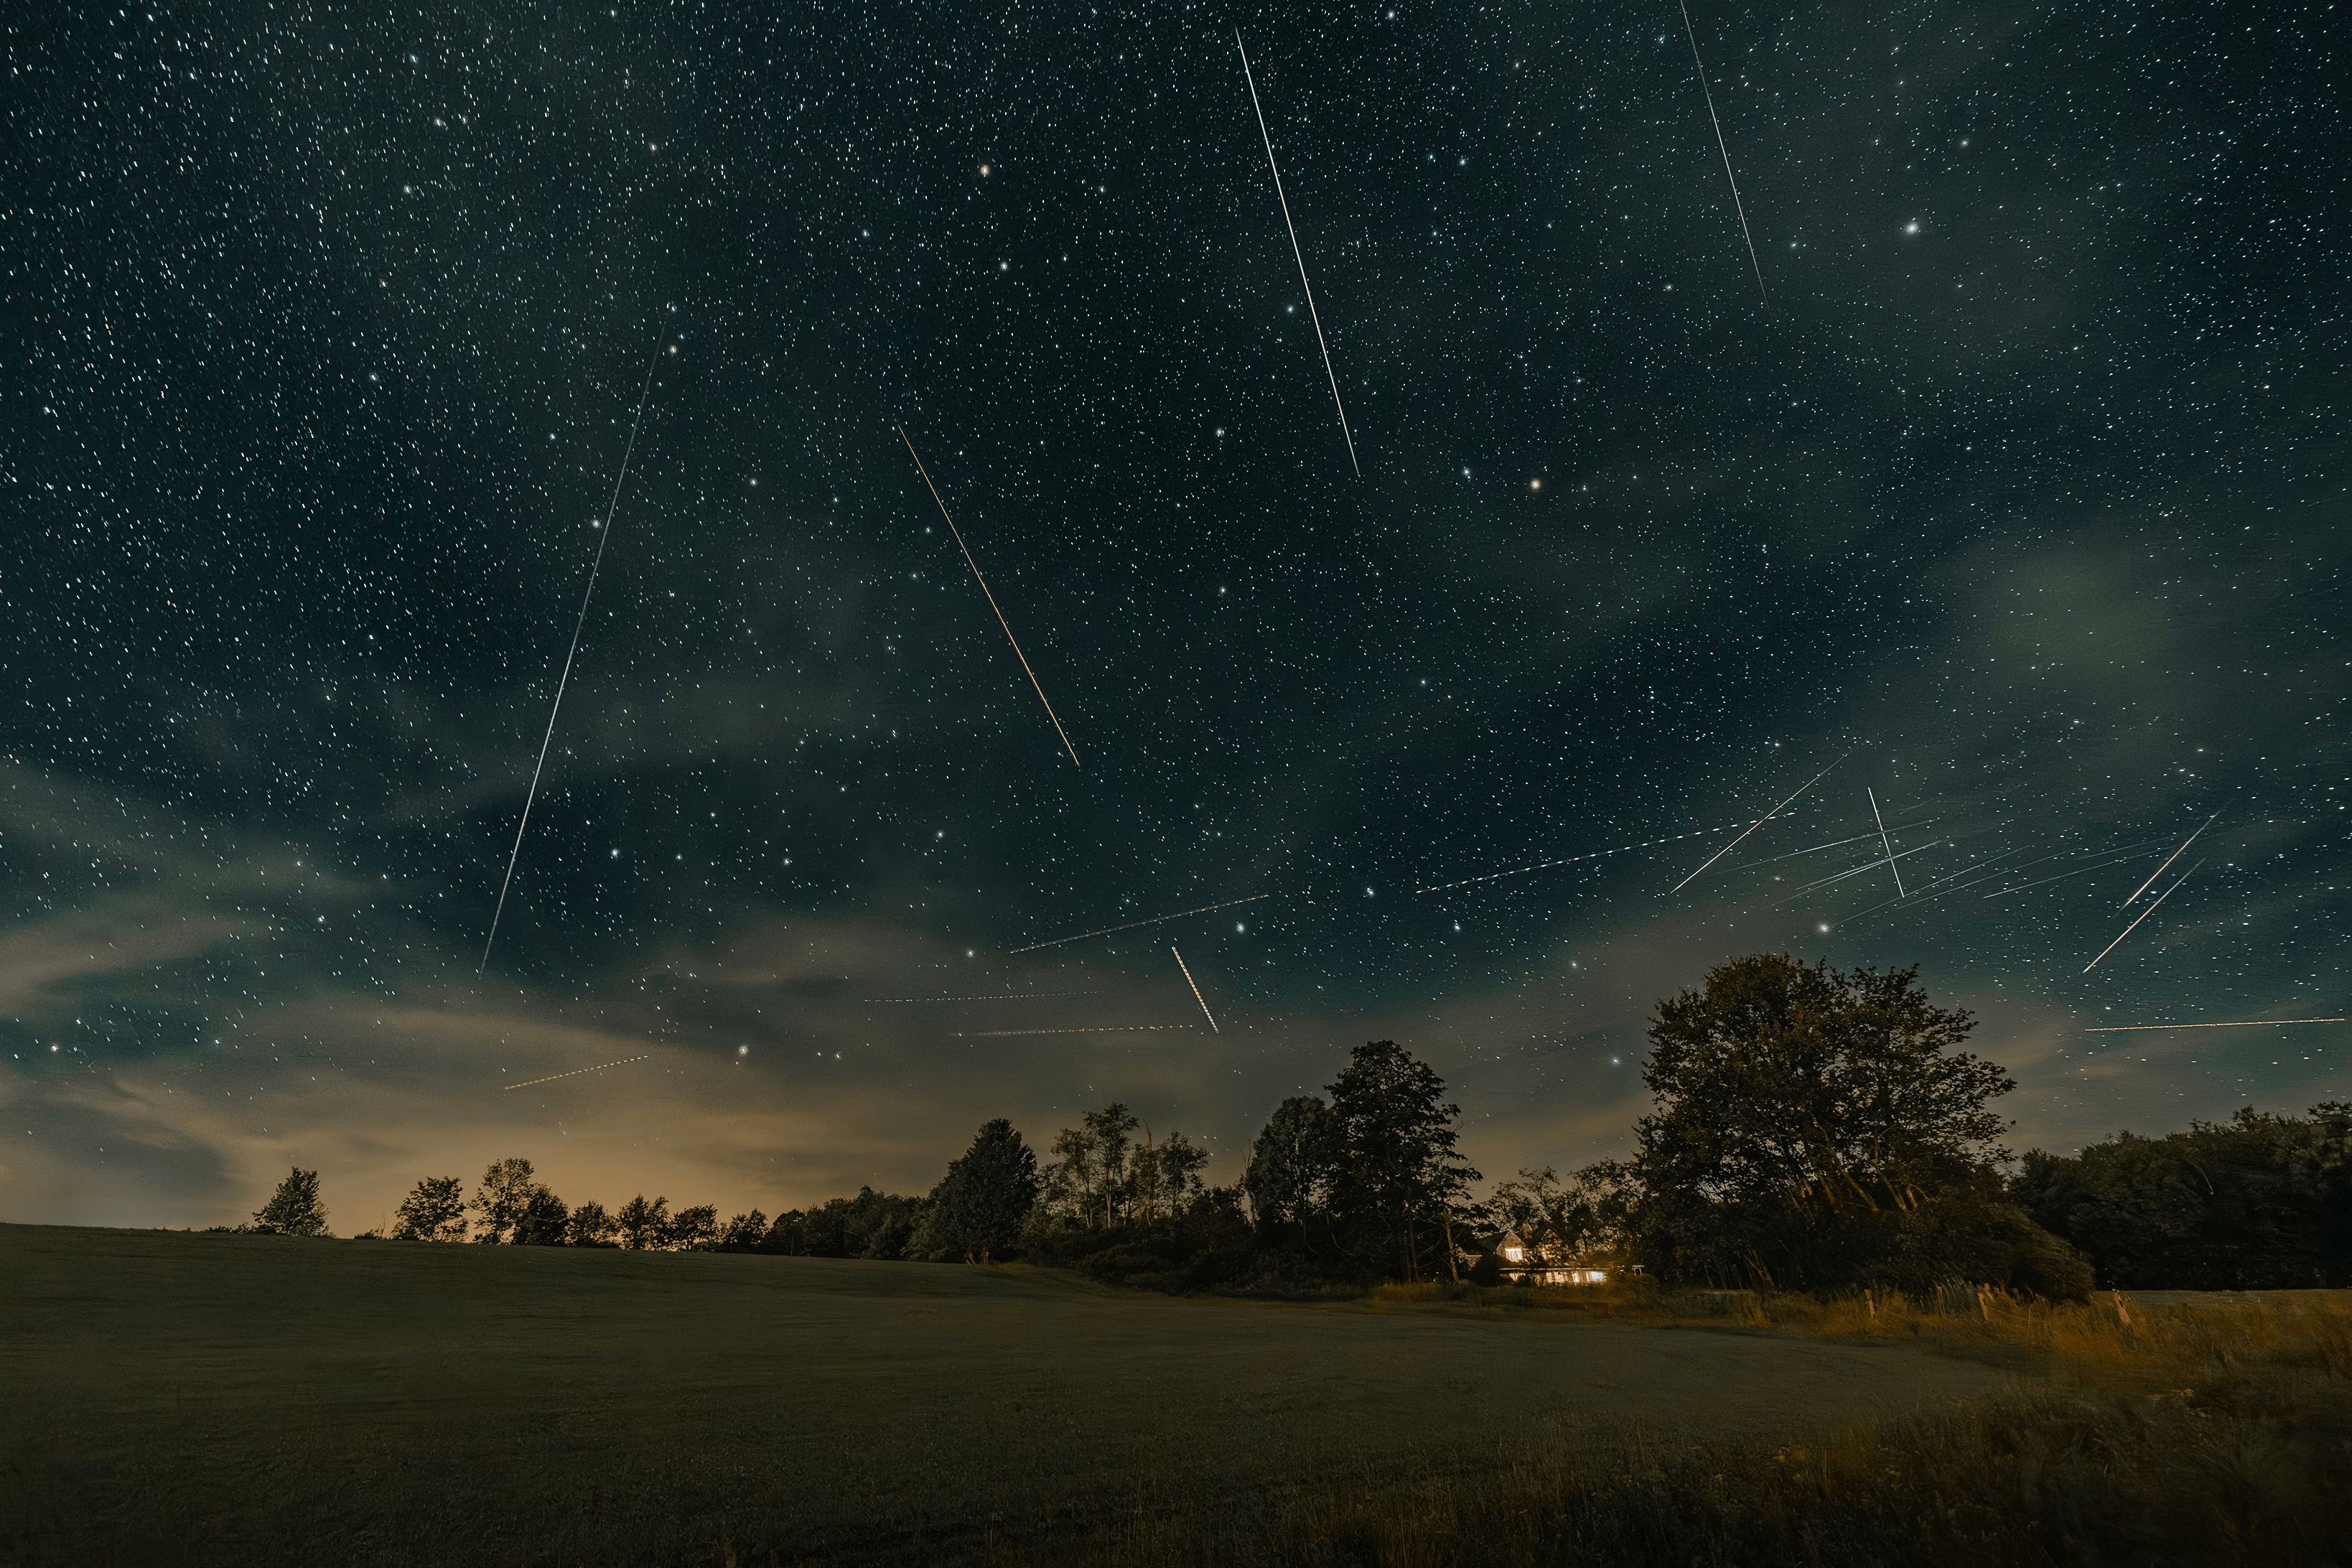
{"type": "Point", "coordinates": [1760, 822]}
{"type": "Point", "coordinates": [1195, 985]}
{"type": "Point", "coordinates": [2168, 859]}
{"type": "Point", "coordinates": [1130, 925]}
{"type": "Point", "coordinates": [1311, 314]}
{"type": "Point", "coordinates": [575, 1072]}
{"type": "Point", "coordinates": [998, 997]}
{"type": "Point", "coordinates": [2237, 1024]}
{"type": "Point", "coordinates": [1882, 842]}
{"type": "Point", "coordinates": [1100, 1029]}
{"type": "Point", "coordinates": [1572, 859]}
{"type": "Point", "coordinates": [579, 626]}
{"type": "Point", "coordinates": [1726, 150]}
{"type": "Point", "coordinates": [984, 592]}
{"type": "Point", "coordinates": [2143, 915]}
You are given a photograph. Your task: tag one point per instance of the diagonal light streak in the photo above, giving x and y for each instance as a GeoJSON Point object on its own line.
{"type": "Point", "coordinates": [578, 626]}
{"type": "Point", "coordinates": [1301, 255]}
{"type": "Point", "coordinates": [984, 592]}
{"type": "Point", "coordinates": [2143, 915]}
{"type": "Point", "coordinates": [2168, 859]}
{"type": "Point", "coordinates": [1929, 894]}
{"type": "Point", "coordinates": [1866, 865]}
{"type": "Point", "coordinates": [1097, 1029]}
{"type": "Point", "coordinates": [1883, 842]}
{"type": "Point", "coordinates": [997, 997]}
{"type": "Point", "coordinates": [1760, 822]}
{"type": "Point", "coordinates": [1720, 147]}
{"type": "Point", "coordinates": [575, 1072]}
{"type": "Point", "coordinates": [1195, 985]}
{"type": "Point", "coordinates": [2045, 881]}
{"type": "Point", "coordinates": [1130, 925]}
{"type": "Point", "coordinates": [1572, 859]}
{"type": "Point", "coordinates": [2235, 1023]}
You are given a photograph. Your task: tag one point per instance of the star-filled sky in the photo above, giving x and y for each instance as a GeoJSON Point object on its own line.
{"type": "Point", "coordinates": [2010, 511]}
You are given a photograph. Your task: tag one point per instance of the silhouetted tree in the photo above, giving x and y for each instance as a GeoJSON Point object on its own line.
{"type": "Point", "coordinates": [543, 1221]}
{"type": "Point", "coordinates": [434, 1210]}
{"type": "Point", "coordinates": [2260, 1202]}
{"type": "Point", "coordinates": [1089, 1183]}
{"type": "Point", "coordinates": [505, 1193]}
{"type": "Point", "coordinates": [642, 1227]}
{"type": "Point", "coordinates": [589, 1225]}
{"type": "Point", "coordinates": [1817, 1127]}
{"type": "Point", "coordinates": [1395, 1178]}
{"type": "Point", "coordinates": [1166, 1177]}
{"type": "Point", "coordinates": [693, 1230]}
{"type": "Point", "coordinates": [1291, 1163]}
{"type": "Point", "coordinates": [977, 1210]}
{"type": "Point", "coordinates": [744, 1233]}
{"type": "Point", "coordinates": [294, 1209]}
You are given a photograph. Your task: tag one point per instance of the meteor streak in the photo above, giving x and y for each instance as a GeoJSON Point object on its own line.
{"type": "Point", "coordinates": [1882, 842]}
{"type": "Point", "coordinates": [1760, 822]}
{"type": "Point", "coordinates": [1130, 925]}
{"type": "Point", "coordinates": [1301, 255]}
{"type": "Point", "coordinates": [578, 626]}
{"type": "Point", "coordinates": [1195, 985]}
{"type": "Point", "coordinates": [998, 997]}
{"type": "Point", "coordinates": [2143, 915]}
{"type": "Point", "coordinates": [2043, 881]}
{"type": "Point", "coordinates": [1867, 866]}
{"type": "Point", "coordinates": [990, 597]}
{"type": "Point", "coordinates": [1742, 210]}
{"type": "Point", "coordinates": [1928, 894]}
{"type": "Point", "coordinates": [575, 1072]}
{"type": "Point", "coordinates": [1100, 1029]}
{"type": "Point", "coordinates": [2168, 859]}
{"type": "Point", "coordinates": [2239, 1023]}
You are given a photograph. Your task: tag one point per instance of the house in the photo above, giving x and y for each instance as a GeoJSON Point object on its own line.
{"type": "Point", "coordinates": [1537, 1257]}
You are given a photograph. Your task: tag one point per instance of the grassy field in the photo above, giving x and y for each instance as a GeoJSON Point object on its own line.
{"type": "Point", "coordinates": [180, 1398]}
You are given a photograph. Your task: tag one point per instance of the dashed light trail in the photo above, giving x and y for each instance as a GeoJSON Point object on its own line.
{"type": "Point", "coordinates": [1131, 925]}
{"type": "Point", "coordinates": [575, 1072]}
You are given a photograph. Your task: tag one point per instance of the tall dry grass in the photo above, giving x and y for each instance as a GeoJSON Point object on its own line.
{"type": "Point", "coordinates": [2217, 1431]}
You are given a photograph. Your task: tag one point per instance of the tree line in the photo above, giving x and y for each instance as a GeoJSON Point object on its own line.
{"type": "Point", "coordinates": [1811, 1129]}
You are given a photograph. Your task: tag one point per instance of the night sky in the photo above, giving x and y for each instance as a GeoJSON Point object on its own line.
{"type": "Point", "coordinates": [2017, 503]}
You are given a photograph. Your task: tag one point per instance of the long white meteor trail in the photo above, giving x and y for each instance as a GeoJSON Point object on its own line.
{"type": "Point", "coordinates": [1195, 985]}
{"type": "Point", "coordinates": [1097, 1029]}
{"type": "Point", "coordinates": [2168, 859]}
{"type": "Point", "coordinates": [1760, 822]}
{"type": "Point", "coordinates": [985, 594]}
{"type": "Point", "coordinates": [2143, 915]}
{"type": "Point", "coordinates": [1301, 255]}
{"type": "Point", "coordinates": [1130, 925]}
{"type": "Point", "coordinates": [1726, 150]}
{"type": "Point", "coordinates": [1885, 844]}
{"type": "Point", "coordinates": [605, 538]}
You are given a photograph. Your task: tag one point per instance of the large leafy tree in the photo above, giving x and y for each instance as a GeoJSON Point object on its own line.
{"type": "Point", "coordinates": [294, 1209]}
{"type": "Point", "coordinates": [434, 1210]}
{"type": "Point", "coordinates": [976, 1211]}
{"type": "Point", "coordinates": [2262, 1202]}
{"type": "Point", "coordinates": [513, 1206]}
{"type": "Point", "coordinates": [1290, 1164]}
{"type": "Point", "coordinates": [643, 1227]}
{"type": "Point", "coordinates": [1090, 1184]}
{"type": "Point", "coordinates": [1804, 1116]}
{"type": "Point", "coordinates": [1395, 1178]}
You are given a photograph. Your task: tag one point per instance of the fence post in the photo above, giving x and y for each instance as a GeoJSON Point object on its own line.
{"type": "Point", "coordinates": [2122, 1315]}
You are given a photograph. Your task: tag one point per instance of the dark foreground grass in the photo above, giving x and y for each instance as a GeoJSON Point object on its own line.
{"type": "Point", "coordinates": [192, 1400]}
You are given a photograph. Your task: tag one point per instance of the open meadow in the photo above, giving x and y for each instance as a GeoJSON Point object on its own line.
{"type": "Point", "coordinates": [216, 1398]}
